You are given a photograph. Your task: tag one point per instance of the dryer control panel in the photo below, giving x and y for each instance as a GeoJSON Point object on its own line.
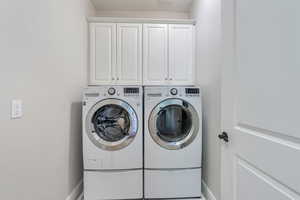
{"type": "Point", "coordinates": [171, 92]}
{"type": "Point", "coordinates": [192, 91]}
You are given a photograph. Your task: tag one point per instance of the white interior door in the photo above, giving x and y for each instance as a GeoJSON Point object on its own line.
{"type": "Point", "coordinates": [261, 100]}
{"type": "Point", "coordinates": [181, 54]}
{"type": "Point", "coordinates": [155, 54]}
{"type": "Point", "coordinates": [102, 53]}
{"type": "Point", "coordinates": [129, 61]}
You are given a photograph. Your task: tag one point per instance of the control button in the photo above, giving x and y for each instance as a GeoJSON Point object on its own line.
{"type": "Point", "coordinates": [174, 91]}
{"type": "Point", "coordinates": [111, 91]}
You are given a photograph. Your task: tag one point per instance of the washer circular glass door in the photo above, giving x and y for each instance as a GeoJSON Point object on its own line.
{"type": "Point", "coordinates": [173, 124]}
{"type": "Point", "coordinates": [111, 124]}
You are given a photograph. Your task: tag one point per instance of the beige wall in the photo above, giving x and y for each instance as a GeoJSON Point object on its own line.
{"type": "Point", "coordinates": [43, 61]}
{"type": "Point", "coordinates": [208, 34]}
{"type": "Point", "coordinates": [43, 48]}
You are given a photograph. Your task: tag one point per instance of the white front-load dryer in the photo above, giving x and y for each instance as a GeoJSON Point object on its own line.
{"type": "Point", "coordinates": [113, 142]}
{"type": "Point", "coordinates": [173, 142]}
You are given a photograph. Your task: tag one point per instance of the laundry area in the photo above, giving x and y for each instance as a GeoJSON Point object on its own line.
{"type": "Point", "coordinates": [142, 111]}
{"type": "Point", "coordinates": [149, 99]}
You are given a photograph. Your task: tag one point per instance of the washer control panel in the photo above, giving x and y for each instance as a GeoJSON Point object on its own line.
{"type": "Point", "coordinates": [134, 93]}
{"type": "Point", "coordinates": [131, 90]}
{"type": "Point", "coordinates": [111, 91]}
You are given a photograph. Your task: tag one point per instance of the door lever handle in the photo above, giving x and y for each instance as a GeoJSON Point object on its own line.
{"type": "Point", "coordinates": [224, 136]}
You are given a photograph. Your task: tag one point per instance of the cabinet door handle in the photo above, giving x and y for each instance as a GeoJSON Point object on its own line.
{"type": "Point", "coordinates": [166, 79]}
{"type": "Point", "coordinates": [118, 78]}
{"type": "Point", "coordinates": [112, 78]}
{"type": "Point", "coordinates": [170, 79]}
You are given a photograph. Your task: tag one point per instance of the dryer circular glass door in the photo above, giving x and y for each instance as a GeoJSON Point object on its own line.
{"type": "Point", "coordinates": [173, 124]}
{"type": "Point", "coordinates": [112, 124]}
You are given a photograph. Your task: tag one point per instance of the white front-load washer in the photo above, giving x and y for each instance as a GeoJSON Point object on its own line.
{"type": "Point", "coordinates": [173, 142]}
{"type": "Point", "coordinates": [113, 142]}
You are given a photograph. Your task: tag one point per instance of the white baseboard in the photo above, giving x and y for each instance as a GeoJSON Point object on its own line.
{"type": "Point", "coordinates": [207, 193]}
{"type": "Point", "coordinates": [76, 192]}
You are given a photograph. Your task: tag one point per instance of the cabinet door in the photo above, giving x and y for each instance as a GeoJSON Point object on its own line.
{"type": "Point", "coordinates": [102, 53]}
{"type": "Point", "coordinates": [155, 54]}
{"type": "Point", "coordinates": [129, 54]}
{"type": "Point", "coordinates": [181, 54]}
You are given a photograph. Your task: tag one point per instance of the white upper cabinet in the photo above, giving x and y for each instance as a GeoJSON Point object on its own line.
{"type": "Point", "coordinates": [168, 54]}
{"type": "Point", "coordinates": [155, 59]}
{"type": "Point", "coordinates": [181, 54]}
{"type": "Point", "coordinates": [116, 54]}
{"type": "Point", "coordinates": [102, 53]}
{"type": "Point", "coordinates": [136, 54]}
{"type": "Point", "coordinates": [129, 54]}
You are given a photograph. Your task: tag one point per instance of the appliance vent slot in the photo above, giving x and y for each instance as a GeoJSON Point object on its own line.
{"type": "Point", "coordinates": [154, 95]}
{"type": "Point", "coordinates": [192, 90]}
{"type": "Point", "coordinates": [92, 94]}
{"type": "Point", "coordinates": [131, 90]}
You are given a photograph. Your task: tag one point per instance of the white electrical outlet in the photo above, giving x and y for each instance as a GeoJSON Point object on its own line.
{"type": "Point", "coordinates": [16, 109]}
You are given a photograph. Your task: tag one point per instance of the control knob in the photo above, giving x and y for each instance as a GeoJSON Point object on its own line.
{"type": "Point", "coordinates": [174, 91]}
{"type": "Point", "coordinates": [111, 91]}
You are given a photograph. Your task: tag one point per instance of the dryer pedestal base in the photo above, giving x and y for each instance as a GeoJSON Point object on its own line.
{"type": "Point", "coordinates": [117, 184]}
{"type": "Point", "coordinates": [170, 184]}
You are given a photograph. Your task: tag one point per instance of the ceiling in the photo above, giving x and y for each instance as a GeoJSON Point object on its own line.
{"type": "Point", "coordinates": [143, 5]}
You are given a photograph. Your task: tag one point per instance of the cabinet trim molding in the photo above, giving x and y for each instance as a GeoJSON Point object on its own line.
{"type": "Point", "coordinates": [141, 20]}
